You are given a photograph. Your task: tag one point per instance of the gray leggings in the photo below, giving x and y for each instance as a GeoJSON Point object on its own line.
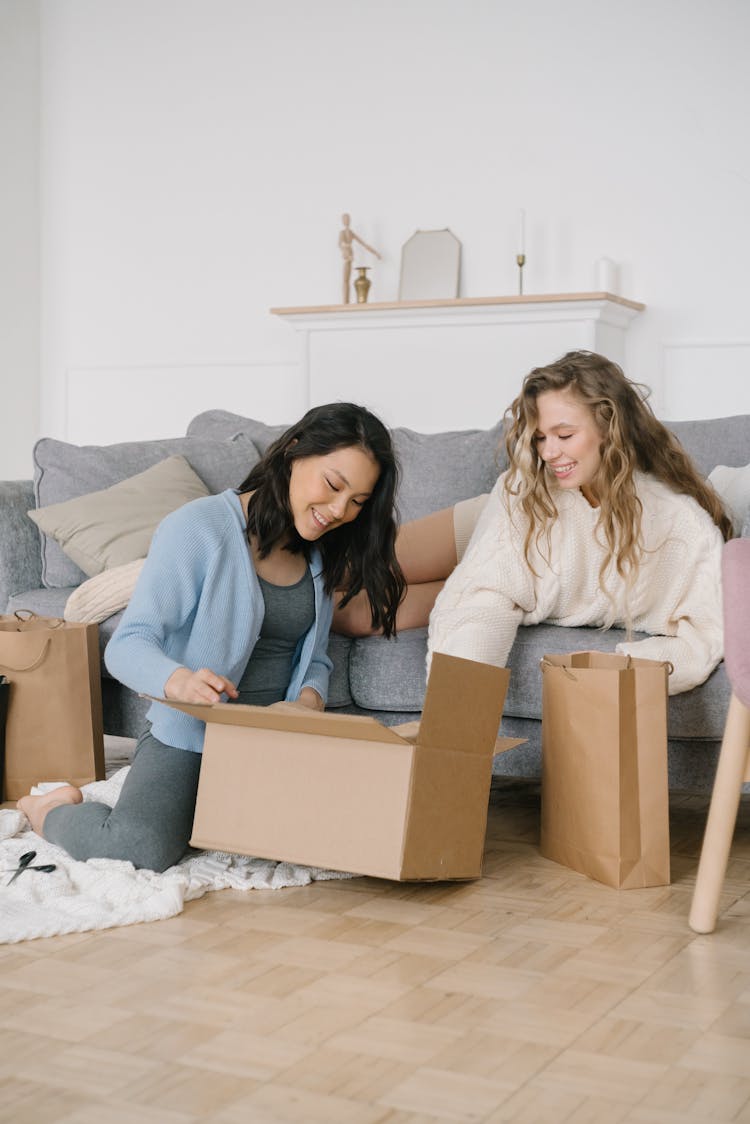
{"type": "Point", "coordinates": [150, 825]}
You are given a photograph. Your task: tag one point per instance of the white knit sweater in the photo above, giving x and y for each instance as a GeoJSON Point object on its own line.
{"type": "Point", "coordinates": [676, 597]}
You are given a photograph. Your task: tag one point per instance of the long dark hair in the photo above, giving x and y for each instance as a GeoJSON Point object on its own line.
{"type": "Point", "coordinates": [357, 555]}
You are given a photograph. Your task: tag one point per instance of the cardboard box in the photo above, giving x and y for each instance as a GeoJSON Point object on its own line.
{"type": "Point", "coordinates": [344, 792]}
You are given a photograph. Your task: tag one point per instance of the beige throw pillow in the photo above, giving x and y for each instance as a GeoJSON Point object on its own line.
{"type": "Point", "coordinates": [115, 526]}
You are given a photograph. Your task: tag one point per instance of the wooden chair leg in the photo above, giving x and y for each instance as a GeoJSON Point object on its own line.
{"type": "Point", "coordinates": [722, 818]}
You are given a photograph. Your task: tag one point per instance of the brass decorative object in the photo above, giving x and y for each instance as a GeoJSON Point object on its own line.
{"type": "Point", "coordinates": [347, 238]}
{"type": "Point", "coordinates": [362, 283]}
{"type": "Point", "coordinates": [521, 262]}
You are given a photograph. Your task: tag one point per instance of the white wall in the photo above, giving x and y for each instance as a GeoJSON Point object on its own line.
{"type": "Point", "coordinates": [196, 156]}
{"type": "Point", "coordinates": [19, 235]}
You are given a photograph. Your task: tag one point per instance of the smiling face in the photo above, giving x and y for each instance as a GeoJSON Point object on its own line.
{"type": "Point", "coordinates": [568, 441]}
{"type": "Point", "coordinates": [326, 491]}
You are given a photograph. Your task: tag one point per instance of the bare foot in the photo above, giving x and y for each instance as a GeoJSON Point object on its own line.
{"type": "Point", "coordinates": [35, 808]}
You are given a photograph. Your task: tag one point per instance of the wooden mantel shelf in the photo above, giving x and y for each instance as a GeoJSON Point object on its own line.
{"type": "Point", "coordinates": [431, 365]}
{"type": "Point", "coordinates": [457, 303]}
{"type": "Point", "coordinates": [604, 309]}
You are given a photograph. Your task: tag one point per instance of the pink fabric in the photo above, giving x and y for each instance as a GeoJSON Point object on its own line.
{"type": "Point", "coordinates": [735, 574]}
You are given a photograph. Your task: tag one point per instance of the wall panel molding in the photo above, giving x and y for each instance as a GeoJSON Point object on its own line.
{"type": "Point", "coordinates": [111, 402]}
{"type": "Point", "coordinates": [704, 378]}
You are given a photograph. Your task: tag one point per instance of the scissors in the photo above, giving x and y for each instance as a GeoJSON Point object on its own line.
{"type": "Point", "coordinates": [24, 863]}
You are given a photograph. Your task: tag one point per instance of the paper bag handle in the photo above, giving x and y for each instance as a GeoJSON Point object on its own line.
{"type": "Point", "coordinates": [23, 616]}
{"type": "Point", "coordinates": [34, 663]}
{"type": "Point", "coordinates": [544, 663]}
{"type": "Point", "coordinates": [52, 622]}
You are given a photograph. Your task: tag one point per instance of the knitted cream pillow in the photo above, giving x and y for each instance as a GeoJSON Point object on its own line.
{"type": "Point", "coordinates": [733, 485]}
{"type": "Point", "coordinates": [103, 595]}
{"type": "Point", "coordinates": [108, 528]}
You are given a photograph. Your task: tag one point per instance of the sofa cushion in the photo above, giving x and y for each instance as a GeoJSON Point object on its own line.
{"type": "Point", "coordinates": [437, 469]}
{"type": "Point", "coordinates": [43, 602]}
{"type": "Point", "coordinates": [222, 425]}
{"type": "Point", "coordinates": [106, 529]}
{"type": "Point", "coordinates": [703, 709]}
{"type": "Point", "coordinates": [708, 441]}
{"type": "Point", "coordinates": [63, 472]}
{"type": "Point", "coordinates": [389, 675]}
{"type": "Point", "coordinates": [712, 441]}
{"type": "Point", "coordinates": [339, 650]}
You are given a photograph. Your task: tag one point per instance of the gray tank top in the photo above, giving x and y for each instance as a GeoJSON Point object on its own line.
{"type": "Point", "coordinates": [290, 612]}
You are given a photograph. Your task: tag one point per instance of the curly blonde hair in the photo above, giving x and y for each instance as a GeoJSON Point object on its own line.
{"type": "Point", "coordinates": [632, 439]}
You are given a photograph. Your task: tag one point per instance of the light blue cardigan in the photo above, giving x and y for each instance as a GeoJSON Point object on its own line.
{"type": "Point", "coordinates": [198, 603]}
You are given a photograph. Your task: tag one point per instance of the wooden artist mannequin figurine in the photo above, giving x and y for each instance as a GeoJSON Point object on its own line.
{"type": "Point", "coordinates": [346, 237]}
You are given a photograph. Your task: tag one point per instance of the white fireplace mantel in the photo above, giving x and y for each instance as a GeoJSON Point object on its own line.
{"type": "Point", "coordinates": [444, 364]}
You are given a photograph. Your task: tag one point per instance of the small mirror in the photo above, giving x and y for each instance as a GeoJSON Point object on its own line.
{"type": "Point", "coordinates": [430, 262]}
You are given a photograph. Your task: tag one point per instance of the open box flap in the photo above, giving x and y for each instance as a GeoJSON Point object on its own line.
{"type": "Point", "coordinates": [324, 723]}
{"type": "Point", "coordinates": [409, 731]}
{"type": "Point", "coordinates": [463, 705]}
{"type": "Point", "coordinates": [502, 745]}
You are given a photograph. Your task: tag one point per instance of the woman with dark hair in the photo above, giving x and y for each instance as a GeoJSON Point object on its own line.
{"type": "Point", "coordinates": [234, 602]}
{"type": "Point", "coordinates": [601, 519]}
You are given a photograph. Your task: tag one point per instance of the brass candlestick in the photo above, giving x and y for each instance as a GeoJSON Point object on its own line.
{"type": "Point", "coordinates": [521, 262]}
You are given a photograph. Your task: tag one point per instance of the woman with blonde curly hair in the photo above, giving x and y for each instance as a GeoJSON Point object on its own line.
{"type": "Point", "coordinates": [601, 519]}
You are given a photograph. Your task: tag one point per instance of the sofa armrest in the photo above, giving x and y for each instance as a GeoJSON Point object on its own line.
{"type": "Point", "coordinates": [20, 547]}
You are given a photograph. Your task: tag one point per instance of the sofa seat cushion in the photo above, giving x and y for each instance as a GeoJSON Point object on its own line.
{"type": "Point", "coordinates": [43, 602]}
{"type": "Point", "coordinates": [389, 675]}
{"type": "Point", "coordinates": [51, 603]}
{"type": "Point", "coordinates": [703, 709]}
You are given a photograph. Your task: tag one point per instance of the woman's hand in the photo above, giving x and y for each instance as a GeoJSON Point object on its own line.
{"type": "Point", "coordinates": [202, 686]}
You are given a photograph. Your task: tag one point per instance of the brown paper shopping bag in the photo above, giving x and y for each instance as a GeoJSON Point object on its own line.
{"type": "Point", "coordinates": [4, 691]}
{"type": "Point", "coordinates": [605, 797]}
{"type": "Point", "coordinates": [54, 723]}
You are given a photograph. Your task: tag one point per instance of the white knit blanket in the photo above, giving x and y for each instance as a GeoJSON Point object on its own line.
{"type": "Point", "coordinates": [102, 893]}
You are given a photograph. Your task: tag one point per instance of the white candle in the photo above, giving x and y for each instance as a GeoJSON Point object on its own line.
{"type": "Point", "coordinates": [605, 278]}
{"type": "Point", "coordinates": [521, 232]}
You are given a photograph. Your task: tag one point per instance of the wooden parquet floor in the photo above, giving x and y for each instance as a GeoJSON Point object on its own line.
{"type": "Point", "coordinates": [533, 995]}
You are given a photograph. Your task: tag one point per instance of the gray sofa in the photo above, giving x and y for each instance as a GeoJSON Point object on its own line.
{"type": "Point", "coordinates": [373, 676]}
